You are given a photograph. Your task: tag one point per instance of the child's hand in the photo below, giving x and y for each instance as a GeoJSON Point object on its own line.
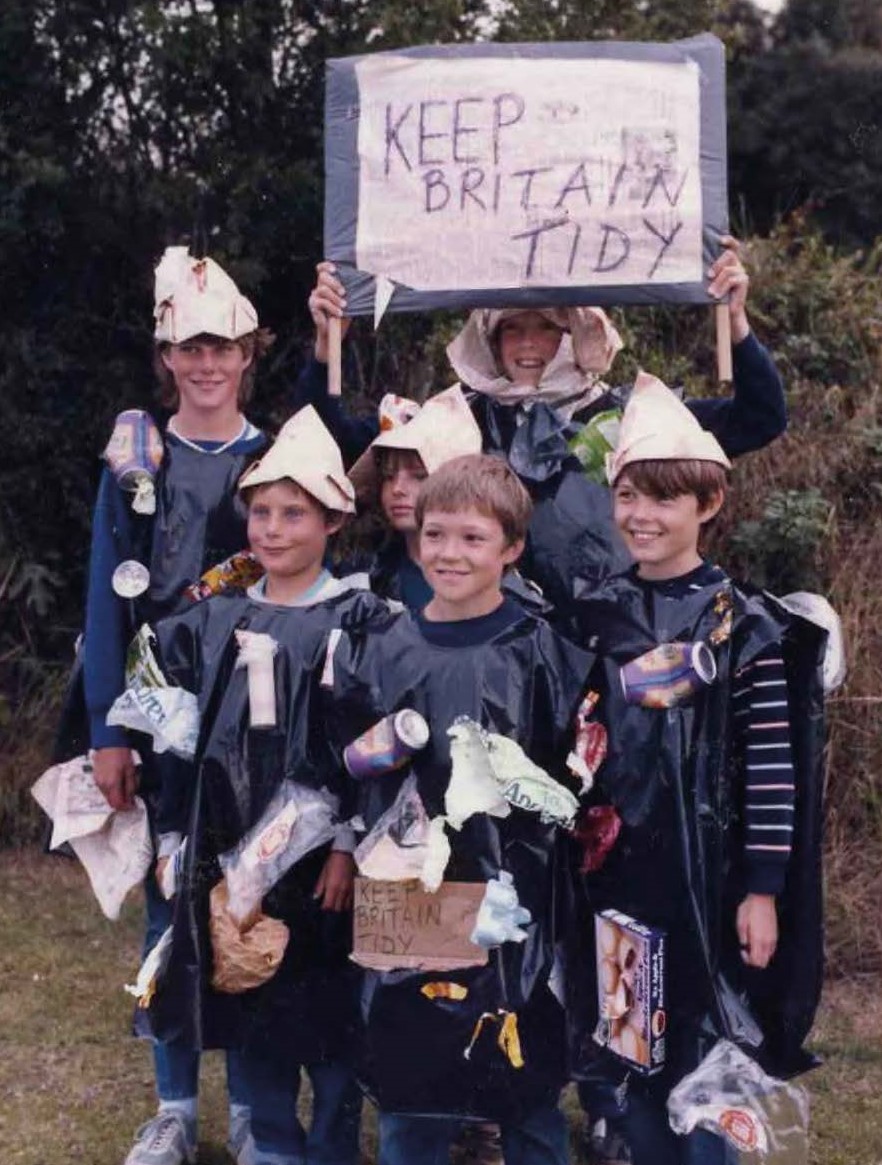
{"type": "Point", "coordinates": [728, 277]}
{"type": "Point", "coordinates": [327, 299]}
{"type": "Point", "coordinates": [334, 886]}
{"type": "Point", "coordinates": [757, 926]}
{"type": "Point", "coordinates": [115, 776]}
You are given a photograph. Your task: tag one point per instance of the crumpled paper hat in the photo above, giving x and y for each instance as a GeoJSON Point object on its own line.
{"type": "Point", "coordinates": [595, 339]}
{"type": "Point", "coordinates": [196, 296]}
{"type": "Point", "coordinates": [305, 452]}
{"type": "Point", "coordinates": [442, 429]}
{"type": "Point", "coordinates": [657, 426]}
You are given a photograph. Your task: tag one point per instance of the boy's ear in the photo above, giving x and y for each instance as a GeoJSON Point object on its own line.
{"type": "Point", "coordinates": [164, 357]}
{"type": "Point", "coordinates": [713, 507]}
{"type": "Point", "coordinates": [334, 523]}
{"type": "Point", "coordinates": [513, 551]}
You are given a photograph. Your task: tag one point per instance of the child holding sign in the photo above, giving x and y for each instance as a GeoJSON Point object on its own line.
{"type": "Point", "coordinates": [535, 380]}
{"type": "Point", "coordinates": [706, 896]}
{"type": "Point", "coordinates": [473, 1029]}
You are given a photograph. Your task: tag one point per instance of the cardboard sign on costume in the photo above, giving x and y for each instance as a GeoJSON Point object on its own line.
{"type": "Point", "coordinates": [399, 925]}
{"type": "Point", "coordinates": [491, 174]}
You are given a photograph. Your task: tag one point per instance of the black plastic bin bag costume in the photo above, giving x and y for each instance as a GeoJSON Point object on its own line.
{"type": "Point", "coordinates": [525, 684]}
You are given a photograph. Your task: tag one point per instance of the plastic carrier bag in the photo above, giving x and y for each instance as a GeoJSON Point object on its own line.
{"type": "Point", "coordinates": [297, 820]}
{"type": "Point", "coordinates": [764, 1119]}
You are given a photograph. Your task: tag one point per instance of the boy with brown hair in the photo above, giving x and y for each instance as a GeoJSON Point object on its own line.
{"type": "Point", "coordinates": [143, 559]}
{"type": "Point", "coordinates": [484, 1039]}
{"type": "Point", "coordinates": [710, 697]}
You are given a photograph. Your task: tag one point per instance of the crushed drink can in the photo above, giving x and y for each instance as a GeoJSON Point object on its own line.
{"type": "Point", "coordinates": [387, 745]}
{"type": "Point", "coordinates": [668, 675]}
{"type": "Point", "coordinates": [134, 455]}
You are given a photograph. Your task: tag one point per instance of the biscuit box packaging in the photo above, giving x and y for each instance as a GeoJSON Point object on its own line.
{"type": "Point", "coordinates": [631, 990]}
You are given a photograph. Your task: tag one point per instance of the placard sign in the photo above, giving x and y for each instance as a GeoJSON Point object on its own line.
{"type": "Point", "coordinates": [504, 174]}
{"type": "Point", "coordinates": [400, 925]}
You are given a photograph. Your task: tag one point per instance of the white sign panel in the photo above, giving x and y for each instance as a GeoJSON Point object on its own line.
{"type": "Point", "coordinates": [474, 173]}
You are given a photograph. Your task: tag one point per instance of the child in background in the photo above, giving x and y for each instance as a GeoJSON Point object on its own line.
{"type": "Point", "coordinates": [535, 380]}
{"type": "Point", "coordinates": [482, 1042]}
{"type": "Point", "coordinates": [712, 773]}
{"type": "Point", "coordinates": [246, 776]}
{"type": "Point", "coordinates": [207, 346]}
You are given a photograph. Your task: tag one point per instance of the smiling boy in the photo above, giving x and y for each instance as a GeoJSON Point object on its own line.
{"type": "Point", "coordinates": [712, 771]}
{"type": "Point", "coordinates": [472, 652]}
{"type": "Point", "coordinates": [207, 343]}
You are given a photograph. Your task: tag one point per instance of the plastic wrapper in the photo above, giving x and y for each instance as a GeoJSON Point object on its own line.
{"type": "Point", "coordinates": [473, 786]}
{"type": "Point", "coordinates": [594, 440]}
{"type": "Point", "coordinates": [296, 820]}
{"type": "Point", "coordinates": [490, 772]}
{"type": "Point", "coordinates": [240, 571]}
{"type": "Point", "coordinates": [589, 750]}
{"type": "Point", "coordinates": [762, 1119]}
{"type": "Point", "coordinates": [173, 872]}
{"type": "Point", "coordinates": [151, 970]}
{"type": "Point", "coordinates": [818, 610]}
{"type": "Point", "coordinates": [596, 830]}
{"type": "Point", "coordinates": [404, 844]}
{"type": "Point", "coordinates": [149, 704]}
{"type": "Point", "coordinates": [243, 961]}
{"type": "Point", "coordinates": [501, 918]}
{"type": "Point", "coordinates": [113, 845]}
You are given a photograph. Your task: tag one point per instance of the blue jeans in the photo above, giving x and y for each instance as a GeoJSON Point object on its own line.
{"type": "Point", "coordinates": [538, 1138]}
{"type": "Point", "coordinates": [279, 1138]}
{"type": "Point", "coordinates": [651, 1140]}
{"type": "Point", "coordinates": [177, 1065]}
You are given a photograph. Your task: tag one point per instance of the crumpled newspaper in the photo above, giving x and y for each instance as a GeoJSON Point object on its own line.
{"type": "Point", "coordinates": [113, 845]}
{"type": "Point", "coordinates": [170, 715]}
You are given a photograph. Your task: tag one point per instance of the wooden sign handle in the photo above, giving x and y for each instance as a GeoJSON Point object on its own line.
{"type": "Point", "coordinates": [723, 327]}
{"type": "Point", "coordinates": [335, 356]}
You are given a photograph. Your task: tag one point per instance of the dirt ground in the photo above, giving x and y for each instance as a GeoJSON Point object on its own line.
{"type": "Point", "coordinates": [74, 1086]}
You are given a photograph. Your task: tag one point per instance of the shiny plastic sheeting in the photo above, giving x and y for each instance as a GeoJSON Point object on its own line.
{"type": "Point", "coordinates": [524, 684]}
{"type": "Point", "coordinates": [677, 862]}
{"type": "Point", "coordinates": [306, 1008]}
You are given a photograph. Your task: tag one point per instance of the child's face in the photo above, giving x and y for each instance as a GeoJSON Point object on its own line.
{"type": "Point", "coordinates": [401, 475]}
{"type": "Point", "coordinates": [207, 371]}
{"type": "Point", "coordinates": [660, 533]}
{"type": "Point", "coordinates": [287, 531]}
{"type": "Point", "coordinates": [527, 343]}
{"type": "Point", "coordinates": [463, 556]}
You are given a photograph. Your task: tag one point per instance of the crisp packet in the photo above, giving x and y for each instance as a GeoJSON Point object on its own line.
{"type": "Point", "coordinates": [762, 1118]}
{"type": "Point", "coordinates": [240, 571]}
{"type": "Point", "coordinates": [594, 440]}
{"type": "Point", "coordinates": [170, 715]}
{"type": "Point", "coordinates": [297, 820]}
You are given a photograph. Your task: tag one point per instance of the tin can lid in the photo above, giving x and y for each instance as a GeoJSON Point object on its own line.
{"type": "Point", "coordinates": [130, 579]}
{"type": "Point", "coordinates": [411, 729]}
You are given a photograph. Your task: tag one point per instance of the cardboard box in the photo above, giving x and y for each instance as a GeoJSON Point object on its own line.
{"type": "Point", "coordinates": [630, 990]}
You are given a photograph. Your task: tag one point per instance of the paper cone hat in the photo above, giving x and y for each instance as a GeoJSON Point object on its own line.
{"type": "Point", "coordinates": [305, 452]}
{"type": "Point", "coordinates": [195, 296]}
{"type": "Point", "coordinates": [657, 426]}
{"type": "Point", "coordinates": [442, 429]}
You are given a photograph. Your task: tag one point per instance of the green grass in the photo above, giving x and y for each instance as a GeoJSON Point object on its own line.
{"type": "Point", "coordinates": [74, 1085]}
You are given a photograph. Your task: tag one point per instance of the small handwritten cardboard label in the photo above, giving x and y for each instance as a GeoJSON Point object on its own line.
{"type": "Point", "coordinates": [398, 925]}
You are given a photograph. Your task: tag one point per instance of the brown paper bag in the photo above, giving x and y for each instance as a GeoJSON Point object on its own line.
{"type": "Point", "coordinates": [243, 961]}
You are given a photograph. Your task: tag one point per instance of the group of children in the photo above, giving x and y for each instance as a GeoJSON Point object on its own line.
{"type": "Point", "coordinates": [590, 736]}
